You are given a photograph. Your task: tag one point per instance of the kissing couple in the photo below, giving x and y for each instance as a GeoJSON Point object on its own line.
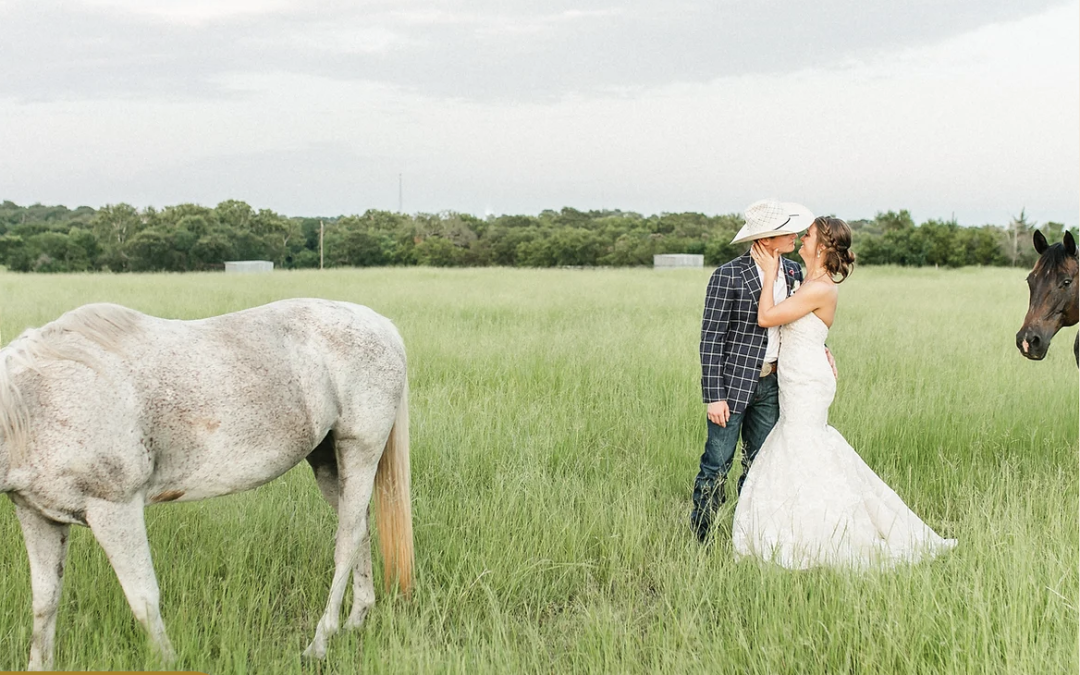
{"type": "Point", "coordinates": [806, 498]}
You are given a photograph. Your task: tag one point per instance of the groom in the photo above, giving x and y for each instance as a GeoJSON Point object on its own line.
{"type": "Point", "coordinates": [738, 357]}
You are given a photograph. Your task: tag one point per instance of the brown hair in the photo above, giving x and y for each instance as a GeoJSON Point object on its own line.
{"type": "Point", "coordinates": [835, 235]}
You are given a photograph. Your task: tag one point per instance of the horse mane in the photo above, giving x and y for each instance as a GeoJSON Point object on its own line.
{"type": "Point", "coordinates": [103, 325]}
{"type": "Point", "coordinates": [1053, 257]}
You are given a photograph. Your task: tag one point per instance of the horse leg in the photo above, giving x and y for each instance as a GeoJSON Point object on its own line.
{"type": "Point", "coordinates": [120, 529]}
{"type": "Point", "coordinates": [357, 463]}
{"type": "Point", "coordinates": [363, 587]}
{"type": "Point", "coordinates": [46, 547]}
{"type": "Point", "coordinates": [323, 461]}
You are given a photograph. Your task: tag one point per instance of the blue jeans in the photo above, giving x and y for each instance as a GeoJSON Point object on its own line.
{"type": "Point", "coordinates": [754, 423]}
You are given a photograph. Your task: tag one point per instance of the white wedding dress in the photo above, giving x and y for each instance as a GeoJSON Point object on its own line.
{"type": "Point", "coordinates": [809, 498]}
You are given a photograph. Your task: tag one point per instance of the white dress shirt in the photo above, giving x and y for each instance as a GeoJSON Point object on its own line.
{"type": "Point", "coordinates": [772, 343]}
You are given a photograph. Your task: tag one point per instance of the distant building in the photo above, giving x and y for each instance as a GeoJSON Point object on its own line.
{"type": "Point", "coordinates": [671, 261]}
{"type": "Point", "coordinates": [248, 266]}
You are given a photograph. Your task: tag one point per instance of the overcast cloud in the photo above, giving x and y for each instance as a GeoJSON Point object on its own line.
{"type": "Point", "coordinates": [961, 108]}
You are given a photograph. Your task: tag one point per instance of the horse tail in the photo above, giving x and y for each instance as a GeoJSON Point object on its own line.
{"type": "Point", "coordinates": [393, 506]}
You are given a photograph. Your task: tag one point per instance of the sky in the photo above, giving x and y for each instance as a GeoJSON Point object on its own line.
{"type": "Point", "coordinates": [967, 109]}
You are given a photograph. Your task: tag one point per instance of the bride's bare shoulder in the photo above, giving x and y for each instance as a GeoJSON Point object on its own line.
{"type": "Point", "coordinates": [818, 288]}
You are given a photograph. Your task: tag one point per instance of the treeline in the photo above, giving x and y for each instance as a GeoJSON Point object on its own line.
{"type": "Point", "coordinates": [188, 237]}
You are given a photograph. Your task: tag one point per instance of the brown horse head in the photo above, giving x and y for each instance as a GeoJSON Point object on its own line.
{"type": "Point", "coordinates": [1054, 301]}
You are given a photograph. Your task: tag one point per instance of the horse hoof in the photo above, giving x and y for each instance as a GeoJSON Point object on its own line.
{"type": "Point", "coordinates": [314, 653]}
{"type": "Point", "coordinates": [164, 652]}
{"type": "Point", "coordinates": [355, 622]}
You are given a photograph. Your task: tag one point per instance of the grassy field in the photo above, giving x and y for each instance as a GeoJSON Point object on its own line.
{"type": "Point", "coordinates": [556, 430]}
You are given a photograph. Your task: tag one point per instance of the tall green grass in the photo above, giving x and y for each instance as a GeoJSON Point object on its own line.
{"type": "Point", "coordinates": [556, 430]}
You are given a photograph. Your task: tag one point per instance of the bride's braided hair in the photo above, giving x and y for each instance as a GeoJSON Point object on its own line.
{"type": "Point", "coordinates": [835, 236]}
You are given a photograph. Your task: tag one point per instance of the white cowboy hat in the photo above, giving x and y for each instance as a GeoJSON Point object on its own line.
{"type": "Point", "coordinates": [770, 218]}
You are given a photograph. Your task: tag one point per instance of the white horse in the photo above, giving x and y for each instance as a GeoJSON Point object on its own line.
{"type": "Point", "coordinates": [106, 410]}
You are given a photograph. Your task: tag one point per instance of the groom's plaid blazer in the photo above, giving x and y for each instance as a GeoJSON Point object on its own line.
{"type": "Point", "coordinates": [732, 343]}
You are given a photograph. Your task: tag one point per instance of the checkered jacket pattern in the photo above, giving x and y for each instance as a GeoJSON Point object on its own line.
{"type": "Point", "coordinates": [732, 343]}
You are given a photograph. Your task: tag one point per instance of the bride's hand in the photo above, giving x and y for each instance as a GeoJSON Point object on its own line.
{"type": "Point", "coordinates": [768, 260]}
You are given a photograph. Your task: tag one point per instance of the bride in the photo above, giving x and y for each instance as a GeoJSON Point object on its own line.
{"type": "Point", "coordinates": [810, 499]}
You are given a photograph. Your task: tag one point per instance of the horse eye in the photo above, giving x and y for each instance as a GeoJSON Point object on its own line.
{"type": "Point", "coordinates": [1068, 281]}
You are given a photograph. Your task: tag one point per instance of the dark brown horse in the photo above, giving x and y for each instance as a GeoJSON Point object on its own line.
{"type": "Point", "coordinates": [1054, 300]}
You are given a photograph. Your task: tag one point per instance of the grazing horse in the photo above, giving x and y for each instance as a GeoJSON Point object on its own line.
{"type": "Point", "coordinates": [106, 410]}
{"type": "Point", "coordinates": [1054, 301]}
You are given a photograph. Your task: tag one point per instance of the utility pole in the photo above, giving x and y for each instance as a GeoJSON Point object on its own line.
{"type": "Point", "coordinates": [322, 229]}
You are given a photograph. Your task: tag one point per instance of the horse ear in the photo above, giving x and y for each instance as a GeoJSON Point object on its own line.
{"type": "Point", "coordinates": [1070, 244]}
{"type": "Point", "coordinates": [1040, 242]}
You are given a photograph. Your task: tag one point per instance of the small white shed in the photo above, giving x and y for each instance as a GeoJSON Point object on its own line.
{"type": "Point", "coordinates": [671, 261]}
{"type": "Point", "coordinates": [248, 266]}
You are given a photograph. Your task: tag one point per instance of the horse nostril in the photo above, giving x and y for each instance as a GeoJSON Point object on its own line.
{"type": "Point", "coordinates": [1034, 340]}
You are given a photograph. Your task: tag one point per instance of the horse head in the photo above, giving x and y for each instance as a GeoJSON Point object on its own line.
{"type": "Point", "coordinates": [1053, 295]}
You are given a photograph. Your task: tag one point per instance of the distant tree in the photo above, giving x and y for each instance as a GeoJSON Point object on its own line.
{"type": "Point", "coordinates": [719, 250]}
{"type": "Point", "coordinates": [114, 224]}
{"type": "Point", "coordinates": [235, 214]}
{"type": "Point", "coordinates": [570, 217]}
{"type": "Point", "coordinates": [361, 248]}
{"type": "Point", "coordinates": [48, 252]}
{"type": "Point", "coordinates": [1053, 231]}
{"type": "Point", "coordinates": [629, 250]}
{"type": "Point", "coordinates": [453, 227]}
{"type": "Point", "coordinates": [249, 246]}
{"type": "Point", "coordinates": [515, 222]}
{"type": "Point", "coordinates": [10, 214]}
{"type": "Point", "coordinates": [305, 258]}
{"type": "Point", "coordinates": [534, 253]}
{"type": "Point", "coordinates": [83, 250]}
{"type": "Point", "coordinates": [980, 245]}
{"type": "Point", "coordinates": [939, 243]}
{"type": "Point", "coordinates": [11, 250]}
{"type": "Point", "coordinates": [151, 250]}
{"type": "Point", "coordinates": [574, 246]}
{"type": "Point", "coordinates": [436, 252]}
{"type": "Point", "coordinates": [901, 242]}
{"type": "Point", "coordinates": [505, 236]}
{"type": "Point", "coordinates": [211, 250]}
{"type": "Point", "coordinates": [1016, 241]}
{"type": "Point", "coordinates": [197, 225]}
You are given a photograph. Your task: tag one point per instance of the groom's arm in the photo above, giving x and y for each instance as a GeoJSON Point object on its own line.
{"type": "Point", "coordinates": [719, 297]}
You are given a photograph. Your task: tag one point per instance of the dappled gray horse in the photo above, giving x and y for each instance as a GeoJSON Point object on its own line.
{"type": "Point", "coordinates": [106, 410]}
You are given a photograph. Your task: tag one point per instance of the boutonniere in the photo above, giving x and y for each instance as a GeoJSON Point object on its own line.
{"type": "Point", "coordinates": [793, 283]}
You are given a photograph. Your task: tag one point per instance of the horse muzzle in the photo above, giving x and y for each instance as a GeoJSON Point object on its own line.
{"type": "Point", "coordinates": [1031, 345]}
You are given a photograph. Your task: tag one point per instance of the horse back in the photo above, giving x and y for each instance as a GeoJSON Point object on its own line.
{"type": "Point", "coordinates": [193, 409]}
